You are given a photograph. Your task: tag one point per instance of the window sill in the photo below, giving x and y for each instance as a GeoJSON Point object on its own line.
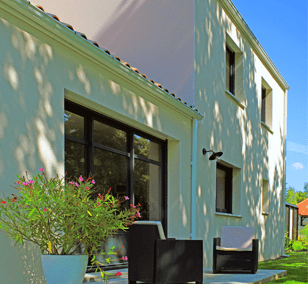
{"type": "Point", "coordinates": [265, 213]}
{"type": "Point", "coordinates": [236, 100]}
{"type": "Point", "coordinates": [228, 215]}
{"type": "Point", "coordinates": [267, 127]}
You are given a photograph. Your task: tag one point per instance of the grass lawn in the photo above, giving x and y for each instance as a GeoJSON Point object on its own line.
{"type": "Point", "coordinates": [296, 266]}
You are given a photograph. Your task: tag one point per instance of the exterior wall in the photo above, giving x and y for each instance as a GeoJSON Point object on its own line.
{"type": "Point", "coordinates": [233, 125]}
{"type": "Point", "coordinates": [40, 67]}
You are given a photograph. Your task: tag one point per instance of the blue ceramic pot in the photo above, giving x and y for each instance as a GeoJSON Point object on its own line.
{"type": "Point", "coordinates": [64, 269]}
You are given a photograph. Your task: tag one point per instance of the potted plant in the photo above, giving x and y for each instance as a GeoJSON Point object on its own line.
{"type": "Point", "coordinates": [63, 217]}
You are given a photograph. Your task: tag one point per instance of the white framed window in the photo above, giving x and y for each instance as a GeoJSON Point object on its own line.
{"type": "Point", "coordinates": [234, 69]}
{"type": "Point", "coordinates": [266, 104]}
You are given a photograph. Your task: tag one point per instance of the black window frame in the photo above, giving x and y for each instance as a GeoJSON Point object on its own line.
{"type": "Point", "coordinates": [88, 141]}
{"type": "Point", "coordinates": [231, 87]}
{"type": "Point", "coordinates": [228, 189]}
{"type": "Point", "coordinates": [263, 104]}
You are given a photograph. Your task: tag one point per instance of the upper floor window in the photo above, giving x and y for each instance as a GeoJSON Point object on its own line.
{"type": "Point", "coordinates": [234, 70]}
{"type": "Point", "coordinates": [230, 70]}
{"type": "Point", "coordinates": [266, 104]}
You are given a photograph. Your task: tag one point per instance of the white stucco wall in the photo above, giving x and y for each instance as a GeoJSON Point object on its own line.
{"type": "Point", "coordinates": [254, 152]}
{"type": "Point", "coordinates": [39, 68]}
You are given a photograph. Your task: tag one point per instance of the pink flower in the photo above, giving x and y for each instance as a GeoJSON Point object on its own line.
{"type": "Point", "coordinates": [71, 183]}
{"type": "Point", "coordinates": [80, 178]}
{"type": "Point", "coordinates": [18, 182]}
{"type": "Point", "coordinates": [124, 257]}
{"type": "Point", "coordinates": [24, 183]}
{"type": "Point", "coordinates": [99, 195]}
{"type": "Point", "coordinates": [126, 197]}
{"type": "Point", "coordinates": [138, 214]}
{"type": "Point", "coordinates": [139, 204]}
{"type": "Point", "coordinates": [118, 273]}
{"type": "Point", "coordinates": [99, 203]}
{"type": "Point", "coordinates": [41, 170]}
{"type": "Point", "coordinates": [3, 202]}
{"type": "Point", "coordinates": [76, 184]}
{"type": "Point", "coordinates": [133, 206]}
{"type": "Point", "coordinates": [93, 181]}
{"type": "Point", "coordinates": [87, 188]}
{"type": "Point", "coordinates": [45, 209]}
{"type": "Point", "coordinates": [31, 181]}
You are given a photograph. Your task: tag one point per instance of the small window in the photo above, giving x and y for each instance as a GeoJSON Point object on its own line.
{"type": "Point", "coordinates": [304, 220]}
{"type": "Point", "coordinates": [265, 200]}
{"type": "Point", "coordinates": [223, 189]}
{"type": "Point", "coordinates": [266, 104]}
{"type": "Point", "coordinates": [230, 70]}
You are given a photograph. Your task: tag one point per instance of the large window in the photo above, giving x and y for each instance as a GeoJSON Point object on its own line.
{"type": "Point", "coordinates": [223, 189]}
{"type": "Point", "coordinates": [129, 162]}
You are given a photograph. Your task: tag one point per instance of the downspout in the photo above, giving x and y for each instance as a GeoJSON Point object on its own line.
{"type": "Point", "coordinates": [284, 165]}
{"type": "Point", "coordinates": [194, 180]}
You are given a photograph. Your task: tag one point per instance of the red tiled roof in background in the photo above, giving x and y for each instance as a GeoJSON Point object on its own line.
{"type": "Point", "coordinates": [303, 207]}
{"type": "Point", "coordinates": [117, 58]}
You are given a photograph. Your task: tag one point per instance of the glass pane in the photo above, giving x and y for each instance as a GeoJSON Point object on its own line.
{"type": "Point", "coordinates": [74, 125]}
{"type": "Point", "coordinates": [74, 159]}
{"type": "Point", "coordinates": [220, 190]}
{"type": "Point", "coordinates": [228, 70]}
{"type": "Point", "coordinates": [147, 148]}
{"type": "Point", "coordinates": [109, 136]}
{"type": "Point", "coordinates": [109, 172]}
{"type": "Point", "coordinates": [147, 189]}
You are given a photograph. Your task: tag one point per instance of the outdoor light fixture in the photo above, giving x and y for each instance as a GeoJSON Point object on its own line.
{"type": "Point", "coordinates": [214, 155]}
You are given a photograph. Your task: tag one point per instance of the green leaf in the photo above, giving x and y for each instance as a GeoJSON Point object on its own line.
{"type": "Point", "coordinates": [32, 211]}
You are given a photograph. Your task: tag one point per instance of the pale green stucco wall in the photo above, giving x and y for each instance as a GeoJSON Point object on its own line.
{"type": "Point", "coordinates": [37, 72]}
{"type": "Point", "coordinates": [253, 151]}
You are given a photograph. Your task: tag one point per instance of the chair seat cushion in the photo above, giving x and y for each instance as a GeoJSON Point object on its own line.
{"type": "Point", "coordinates": [232, 249]}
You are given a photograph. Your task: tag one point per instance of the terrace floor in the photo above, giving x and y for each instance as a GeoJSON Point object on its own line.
{"type": "Point", "coordinates": [262, 276]}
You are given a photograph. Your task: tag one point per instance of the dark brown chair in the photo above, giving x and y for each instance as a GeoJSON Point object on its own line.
{"type": "Point", "coordinates": [154, 259]}
{"type": "Point", "coordinates": [236, 251]}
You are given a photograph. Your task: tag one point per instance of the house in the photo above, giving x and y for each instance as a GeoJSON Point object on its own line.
{"type": "Point", "coordinates": [302, 214]}
{"type": "Point", "coordinates": [68, 104]}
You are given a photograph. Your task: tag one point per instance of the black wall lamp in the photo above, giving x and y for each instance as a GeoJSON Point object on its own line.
{"type": "Point", "coordinates": [214, 155]}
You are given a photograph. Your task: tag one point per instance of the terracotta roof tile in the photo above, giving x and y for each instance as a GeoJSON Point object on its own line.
{"type": "Point", "coordinates": [53, 16]}
{"type": "Point", "coordinates": [68, 26]}
{"type": "Point", "coordinates": [115, 57]}
{"type": "Point", "coordinates": [81, 34]}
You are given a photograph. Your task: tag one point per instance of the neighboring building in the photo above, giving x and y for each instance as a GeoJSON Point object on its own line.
{"type": "Point", "coordinates": [68, 105]}
{"type": "Point", "coordinates": [302, 214]}
{"type": "Point", "coordinates": [291, 221]}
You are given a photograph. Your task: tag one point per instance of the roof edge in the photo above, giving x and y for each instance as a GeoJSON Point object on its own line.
{"type": "Point", "coordinates": [40, 21]}
{"type": "Point", "coordinates": [238, 20]}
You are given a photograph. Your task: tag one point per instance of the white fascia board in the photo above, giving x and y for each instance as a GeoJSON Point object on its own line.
{"type": "Point", "coordinates": [40, 21]}
{"type": "Point", "coordinates": [239, 22]}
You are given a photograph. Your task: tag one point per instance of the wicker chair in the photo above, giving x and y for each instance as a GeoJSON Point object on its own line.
{"type": "Point", "coordinates": [236, 251]}
{"type": "Point", "coordinates": [154, 259]}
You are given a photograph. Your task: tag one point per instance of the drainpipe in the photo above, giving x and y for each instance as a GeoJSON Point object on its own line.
{"type": "Point", "coordinates": [194, 181]}
{"type": "Point", "coordinates": [284, 163]}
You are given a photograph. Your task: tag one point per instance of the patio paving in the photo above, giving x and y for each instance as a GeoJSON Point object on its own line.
{"type": "Point", "coordinates": [262, 276]}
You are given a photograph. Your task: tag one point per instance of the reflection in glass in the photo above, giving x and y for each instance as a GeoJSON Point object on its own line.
{"type": "Point", "coordinates": [109, 136]}
{"type": "Point", "coordinates": [147, 185]}
{"type": "Point", "coordinates": [74, 159]}
{"type": "Point", "coordinates": [147, 148]}
{"type": "Point", "coordinates": [74, 125]}
{"type": "Point", "coordinates": [109, 172]}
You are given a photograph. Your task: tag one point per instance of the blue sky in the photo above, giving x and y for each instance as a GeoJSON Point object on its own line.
{"type": "Point", "coordinates": [281, 28]}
